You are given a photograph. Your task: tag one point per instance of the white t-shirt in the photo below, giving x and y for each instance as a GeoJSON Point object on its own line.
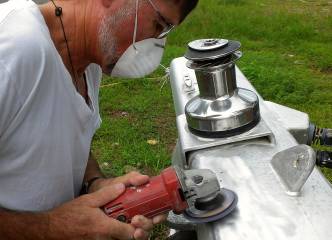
{"type": "Point", "coordinates": [46, 127]}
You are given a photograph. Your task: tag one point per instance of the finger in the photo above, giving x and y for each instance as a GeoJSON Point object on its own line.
{"type": "Point", "coordinates": [120, 230]}
{"type": "Point", "coordinates": [159, 219]}
{"type": "Point", "coordinates": [139, 180]}
{"type": "Point", "coordinates": [105, 195]}
{"type": "Point", "coordinates": [105, 183]}
{"type": "Point", "coordinates": [136, 179]}
{"type": "Point", "coordinates": [140, 234]}
{"type": "Point", "coordinates": [142, 222]}
{"type": "Point", "coordinates": [132, 178]}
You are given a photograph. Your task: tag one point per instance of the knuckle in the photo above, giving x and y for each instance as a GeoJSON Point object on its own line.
{"type": "Point", "coordinates": [144, 222]}
{"type": "Point", "coordinates": [141, 234]}
{"type": "Point", "coordinates": [85, 198]}
{"type": "Point", "coordinates": [134, 173]}
{"type": "Point", "coordinates": [120, 230]}
{"type": "Point", "coordinates": [141, 218]}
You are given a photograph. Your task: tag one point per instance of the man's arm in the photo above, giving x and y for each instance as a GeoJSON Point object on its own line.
{"type": "Point", "coordinates": [81, 218]}
{"type": "Point", "coordinates": [15, 225]}
{"type": "Point", "coordinates": [92, 170]}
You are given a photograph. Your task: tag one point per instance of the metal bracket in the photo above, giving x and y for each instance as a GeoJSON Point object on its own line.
{"type": "Point", "coordinates": [190, 142]}
{"type": "Point", "coordinates": [294, 166]}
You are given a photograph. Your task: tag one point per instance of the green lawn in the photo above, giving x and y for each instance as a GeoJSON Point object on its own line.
{"type": "Point", "coordinates": [287, 56]}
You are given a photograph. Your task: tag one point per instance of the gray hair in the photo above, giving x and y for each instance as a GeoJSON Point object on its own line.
{"type": "Point", "coordinates": [107, 40]}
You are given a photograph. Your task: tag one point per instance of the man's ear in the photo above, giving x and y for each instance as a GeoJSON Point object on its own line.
{"type": "Point", "coordinates": [107, 3]}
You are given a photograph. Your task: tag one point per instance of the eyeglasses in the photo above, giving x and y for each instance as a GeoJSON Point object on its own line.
{"type": "Point", "coordinates": [168, 27]}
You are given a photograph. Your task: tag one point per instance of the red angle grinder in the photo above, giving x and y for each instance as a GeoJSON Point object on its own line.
{"type": "Point", "coordinates": [196, 193]}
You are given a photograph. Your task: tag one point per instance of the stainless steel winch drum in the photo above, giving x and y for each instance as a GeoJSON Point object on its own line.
{"type": "Point", "coordinates": [221, 109]}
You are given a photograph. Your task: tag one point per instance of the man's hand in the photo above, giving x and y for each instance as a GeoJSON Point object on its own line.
{"type": "Point", "coordinates": [143, 224]}
{"type": "Point", "coordinates": [82, 218]}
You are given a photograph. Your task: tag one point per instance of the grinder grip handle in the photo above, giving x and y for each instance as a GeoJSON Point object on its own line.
{"type": "Point", "coordinates": [160, 195]}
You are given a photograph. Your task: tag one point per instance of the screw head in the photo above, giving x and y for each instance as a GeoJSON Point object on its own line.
{"type": "Point", "coordinates": [208, 44]}
{"type": "Point", "coordinates": [122, 218]}
{"type": "Point", "coordinates": [197, 179]}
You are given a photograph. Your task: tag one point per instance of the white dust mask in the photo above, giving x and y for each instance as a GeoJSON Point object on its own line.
{"type": "Point", "coordinates": [141, 58]}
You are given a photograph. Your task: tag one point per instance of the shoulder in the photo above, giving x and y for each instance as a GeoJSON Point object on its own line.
{"type": "Point", "coordinates": [23, 34]}
{"type": "Point", "coordinates": [26, 48]}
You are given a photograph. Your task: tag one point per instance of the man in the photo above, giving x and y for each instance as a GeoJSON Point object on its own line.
{"type": "Point", "coordinates": [49, 82]}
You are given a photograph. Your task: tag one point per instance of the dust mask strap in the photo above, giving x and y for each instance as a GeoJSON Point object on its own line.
{"type": "Point", "coordinates": [135, 27]}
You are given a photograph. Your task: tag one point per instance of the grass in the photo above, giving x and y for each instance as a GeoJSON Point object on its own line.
{"type": "Point", "coordinates": [287, 56]}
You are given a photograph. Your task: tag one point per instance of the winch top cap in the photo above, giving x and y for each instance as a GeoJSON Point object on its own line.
{"type": "Point", "coordinates": [207, 44]}
{"type": "Point", "coordinates": [210, 49]}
